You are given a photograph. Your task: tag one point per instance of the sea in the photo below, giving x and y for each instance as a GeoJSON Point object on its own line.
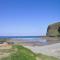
{"type": "Point", "coordinates": [20, 36]}
{"type": "Point", "coordinates": [28, 39]}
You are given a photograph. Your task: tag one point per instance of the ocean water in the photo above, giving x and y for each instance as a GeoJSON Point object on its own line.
{"type": "Point", "coordinates": [28, 39]}
{"type": "Point", "coordinates": [19, 36]}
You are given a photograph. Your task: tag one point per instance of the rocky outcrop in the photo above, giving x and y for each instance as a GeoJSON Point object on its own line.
{"type": "Point", "coordinates": [53, 29]}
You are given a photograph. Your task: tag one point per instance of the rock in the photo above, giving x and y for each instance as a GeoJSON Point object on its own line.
{"type": "Point", "coordinates": [53, 30]}
{"type": "Point", "coordinates": [48, 50]}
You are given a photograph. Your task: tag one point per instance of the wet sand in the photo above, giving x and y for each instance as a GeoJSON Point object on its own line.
{"type": "Point", "coordinates": [49, 40]}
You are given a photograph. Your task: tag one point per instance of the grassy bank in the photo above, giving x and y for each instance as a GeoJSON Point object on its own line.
{"type": "Point", "coordinates": [21, 53]}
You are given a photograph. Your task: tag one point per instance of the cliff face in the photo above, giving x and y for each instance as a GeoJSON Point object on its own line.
{"type": "Point", "coordinates": [53, 29]}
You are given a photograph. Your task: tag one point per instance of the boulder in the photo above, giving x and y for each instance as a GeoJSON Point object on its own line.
{"type": "Point", "coordinates": [53, 30]}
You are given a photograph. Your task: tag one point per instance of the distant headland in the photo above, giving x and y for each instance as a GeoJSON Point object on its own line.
{"type": "Point", "coordinates": [53, 30]}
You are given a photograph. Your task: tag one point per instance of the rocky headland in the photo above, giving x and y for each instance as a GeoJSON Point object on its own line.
{"type": "Point", "coordinates": [53, 30]}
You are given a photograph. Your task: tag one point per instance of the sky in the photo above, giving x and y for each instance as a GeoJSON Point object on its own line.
{"type": "Point", "coordinates": [27, 17]}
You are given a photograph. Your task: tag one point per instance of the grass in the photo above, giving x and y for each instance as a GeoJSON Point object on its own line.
{"type": "Point", "coordinates": [22, 53]}
{"type": "Point", "coordinates": [44, 57]}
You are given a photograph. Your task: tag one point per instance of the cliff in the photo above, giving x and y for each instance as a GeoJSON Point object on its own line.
{"type": "Point", "coordinates": [53, 29]}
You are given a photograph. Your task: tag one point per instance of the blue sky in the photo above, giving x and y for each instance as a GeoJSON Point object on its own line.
{"type": "Point", "coordinates": [28, 17]}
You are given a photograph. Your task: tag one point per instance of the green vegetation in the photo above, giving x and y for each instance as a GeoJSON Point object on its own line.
{"type": "Point", "coordinates": [44, 57]}
{"type": "Point", "coordinates": [22, 53]}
